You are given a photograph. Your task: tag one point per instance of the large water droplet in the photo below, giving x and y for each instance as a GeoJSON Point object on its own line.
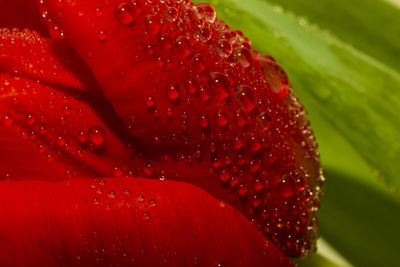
{"type": "Point", "coordinates": [7, 120]}
{"type": "Point", "coordinates": [240, 118]}
{"type": "Point", "coordinates": [246, 97]}
{"type": "Point", "coordinates": [207, 11]}
{"type": "Point", "coordinates": [223, 48]}
{"type": "Point", "coordinates": [124, 14]}
{"type": "Point", "coordinates": [198, 63]}
{"type": "Point", "coordinates": [243, 56]}
{"type": "Point", "coordinates": [173, 93]}
{"type": "Point", "coordinates": [171, 14]}
{"type": "Point", "coordinates": [220, 118]}
{"type": "Point", "coordinates": [182, 46]}
{"type": "Point", "coordinates": [152, 24]}
{"type": "Point", "coordinates": [203, 121]}
{"type": "Point", "coordinates": [30, 119]}
{"type": "Point", "coordinates": [97, 135]}
{"type": "Point", "coordinates": [101, 35]}
{"type": "Point", "coordinates": [275, 75]}
{"type": "Point", "coordinates": [204, 34]}
{"type": "Point", "coordinates": [219, 85]}
{"type": "Point", "coordinates": [165, 42]}
{"type": "Point", "coordinates": [286, 188]}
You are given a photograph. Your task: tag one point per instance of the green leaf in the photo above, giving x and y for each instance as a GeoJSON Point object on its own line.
{"type": "Point", "coordinates": [371, 26]}
{"type": "Point", "coordinates": [351, 90]}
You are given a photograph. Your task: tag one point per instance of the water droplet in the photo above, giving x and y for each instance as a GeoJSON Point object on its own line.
{"type": "Point", "coordinates": [286, 188]}
{"type": "Point", "coordinates": [224, 176]}
{"type": "Point", "coordinates": [220, 118]}
{"type": "Point", "coordinates": [204, 34]}
{"type": "Point", "coordinates": [203, 121]}
{"type": "Point", "coordinates": [182, 46]}
{"type": "Point", "coordinates": [198, 63]}
{"type": "Point", "coordinates": [240, 118]}
{"type": "Point", "coordinates": [165, 42]}
{"type": "Point", "coordinates": [243, 56]}
{"type": "Point", "coordinates": [148, 170]}
{"type": "Point", "coordinates": [196, 260]}
{"type": "Point", "coordinates": [112, 195]}
{"type": "Point", "coordinates": [219, 85]}
{"type": "Point", "coordinates": [246, 97]}
{"type": "Point", "coordinates": [152, 203]}
{"type": "Point", "coordinates": [123, 13]}
{"type": "Point", "coordinates": [207, 11]}
{"type": "Point", "coordinates": [173, 93]}
{"type": "Point", "coordinates": [67, 109]}
{"type": "Point", "coordinates": [242, 190]}
{"type": "Point", "coordinates": [97, 135]}
{"type": "Point", "coordinates": [7, 120]}
{"type": "Point", "coordinates": [82, 136]}
{"type": "Point", "coordinates": [95, 201]}
{"type": "Point", "coordinates": [98, 12]}
{"type": "Point", "coordinates": [60, 4]}
{"type": "Point", "coordinates": [254, 144]}
{"type": "Point", "coordinates": [126, 192]}
{"type": "Point", "coordinates": [116, 171]}
{"type": "Point", "coordinates": [145, 216]}
{"type": "Point", "coordinates": [223, 48]}
{"type": "Point", "coordinates": [258, 186]}
{"type": "Point", "coordinates": [276, 76]}
{"type": "Point", "coordinates": [101, 35]}
{"type": "Point", "coordinates": [170, 113]}
{"type": "Point", "coordinates": [152, 24]}
{"type": "Point", "coordinates": [171, 14]}
{"type": "Point", "coordinates": [203, 94]}
{"type": "Point", "coordinates": [150, 103]}
{"type": "Point", "coordinates": [238, 143]}
{"type": "Point", "coordinates": [60, 140]}
{"type": "Point", "coordinates": [140, 198]}
{"type": "Point", "coordinates": [30, 119]}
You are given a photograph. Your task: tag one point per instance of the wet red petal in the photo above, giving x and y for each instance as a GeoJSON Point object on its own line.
{"type": "Point", "coordinates": [194, 90]}
{"type": "Point", "coordinates": [22, 14]}
{"type": "Point", "coordinates": [27, 54]}
{"type": "Point", "coordinates": [125, 221]}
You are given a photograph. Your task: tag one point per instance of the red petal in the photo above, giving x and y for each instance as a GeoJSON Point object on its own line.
{"type": "Point", "coordinates": [21, 14]}
{"type": "Point", "coordinates": [125, 221]}
{"type": "Point", "coordinates": [52, 61]}
{"type": "Point", "coordinates": [236, 121]}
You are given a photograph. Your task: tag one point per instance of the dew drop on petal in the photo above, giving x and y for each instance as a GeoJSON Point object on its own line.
{"type": "Point", "coordinates": [145, 216]}
{"type": "Point", "coordinates": [243, 56]}
{"type": "Point", "coordinates": [220, 118]}
{"type": "Point", "coordinates": [173, 93]}
{"type": "Point", "coordinates": [152, 25]}
{"type": "Point", "coordinates": [97, 135]}
{"type": "Point", "coordinates": [223, 48]}
{"type": "Point", "coordinates": [112, 195]}
{"type": "Point", "coordinates": [30, 119]}
{"type": "Point", "coordinates": [101, 35]}
{"type": "Point", "coordinates": [7, 120]}
{"type": "Point", "coordinates": [123, 13]}
{"type": "Point", "coordinates": [246, 96]}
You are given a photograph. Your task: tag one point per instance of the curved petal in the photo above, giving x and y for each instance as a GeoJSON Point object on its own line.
{"type": "Point", "coordinates": [28, 54]}
{"type": "Point", "coordinates": [183, 81]}
{"type": "Point", "coordinates": [22, 14]}
{"type": "Point", "coordinates": [125, 221]}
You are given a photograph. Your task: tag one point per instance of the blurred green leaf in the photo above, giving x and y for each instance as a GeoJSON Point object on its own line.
{"type": "Point", "coordinates": [353, 101]}
{"type": "Point", "coordinates": [372, 26]}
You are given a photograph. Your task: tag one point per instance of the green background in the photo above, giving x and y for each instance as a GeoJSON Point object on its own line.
{"type": "Point", "coordinates": [343, 60]}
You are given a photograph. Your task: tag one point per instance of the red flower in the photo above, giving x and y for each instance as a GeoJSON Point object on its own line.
{"type": "Point", "coordinates": [96, 93]}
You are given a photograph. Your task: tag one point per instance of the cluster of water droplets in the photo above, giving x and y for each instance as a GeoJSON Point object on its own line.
{"type": "Point", "coordinates": [244, 145]}
{"type": "Point", "coordinates": [251, 125]}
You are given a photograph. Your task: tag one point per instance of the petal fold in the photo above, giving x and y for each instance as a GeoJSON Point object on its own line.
{"type": "Point", "coordinates": [125, 222]}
